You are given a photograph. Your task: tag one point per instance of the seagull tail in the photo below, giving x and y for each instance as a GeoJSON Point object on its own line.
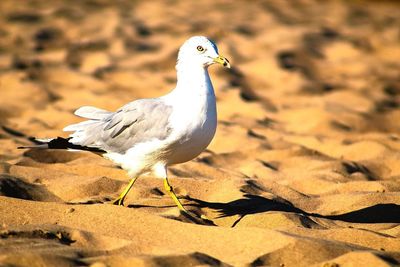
{"type": "Point", "coordinates": [59, 143]}
{"type": "Point", "coordinates": [50, 143]}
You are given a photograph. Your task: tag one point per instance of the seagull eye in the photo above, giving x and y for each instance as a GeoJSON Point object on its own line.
{"type": "Point", "coordinates": [200, 48]}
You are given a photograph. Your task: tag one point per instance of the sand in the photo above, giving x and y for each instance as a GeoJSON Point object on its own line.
{"type": "Point", "coordinates": [304, 169]}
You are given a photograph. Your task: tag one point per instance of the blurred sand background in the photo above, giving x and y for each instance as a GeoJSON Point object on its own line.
{"type": "Point", "coordinates": [304, 169]}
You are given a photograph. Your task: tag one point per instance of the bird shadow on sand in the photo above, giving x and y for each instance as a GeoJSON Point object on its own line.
{"type": "Point", "coordinates": [192, 216]}
{"type": "Point", "coordinates": [253, 204]}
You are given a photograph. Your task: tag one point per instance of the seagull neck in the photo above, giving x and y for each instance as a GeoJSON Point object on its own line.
{"type": "Point", "coordinates": [189, 77]}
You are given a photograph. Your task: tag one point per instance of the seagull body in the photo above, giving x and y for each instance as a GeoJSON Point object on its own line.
{"type": "Point", "coordinates": [189, 124]}
{"type": "Point", "coordinates": [148, 135]}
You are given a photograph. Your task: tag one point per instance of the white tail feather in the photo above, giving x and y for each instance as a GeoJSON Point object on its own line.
{"type": "Point", "coordinates": [92, 113]}
{"type": "Point", "coordinates": [78, 126]}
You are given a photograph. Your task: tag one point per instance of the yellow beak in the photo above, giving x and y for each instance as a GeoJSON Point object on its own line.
{"type": "Point", "coordinates": [223, 61]}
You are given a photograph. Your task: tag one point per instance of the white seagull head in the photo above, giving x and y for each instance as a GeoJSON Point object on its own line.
{"type": "Point", "coordinates": [199, 50]}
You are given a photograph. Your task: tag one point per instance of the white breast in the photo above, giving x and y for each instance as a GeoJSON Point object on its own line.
{"type": "Point", "coordinates": [196, 135]}
{"type": "Point", "coordinates": [194, 120]}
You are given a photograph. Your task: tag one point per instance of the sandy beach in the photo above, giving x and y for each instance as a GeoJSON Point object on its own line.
{"type": "Point", "coordinates": [304, 169]}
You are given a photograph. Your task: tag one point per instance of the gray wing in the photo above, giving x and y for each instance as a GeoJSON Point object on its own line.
{"type": "Point", "coordinates": [136, 122]}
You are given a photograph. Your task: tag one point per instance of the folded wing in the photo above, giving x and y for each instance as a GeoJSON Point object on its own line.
{"type": "Point", "coordinates": [137, 122]}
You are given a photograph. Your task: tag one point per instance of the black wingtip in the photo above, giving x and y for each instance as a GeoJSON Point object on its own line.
{"type": "Point", "coordinates": [59, 143]}
{"type": "Point", "coordinates": [63, 143]}
{"type": "Point", "coordinates": [41, 146]}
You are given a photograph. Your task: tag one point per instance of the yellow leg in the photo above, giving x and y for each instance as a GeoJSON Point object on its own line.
{"type": "Point", "coordinates": [170, 191]}
{"type": "Point", "coordinates": [120, 200]}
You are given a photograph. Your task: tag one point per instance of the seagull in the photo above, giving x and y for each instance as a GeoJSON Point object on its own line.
{"type": "Point", "coordinates": [149, 135]}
